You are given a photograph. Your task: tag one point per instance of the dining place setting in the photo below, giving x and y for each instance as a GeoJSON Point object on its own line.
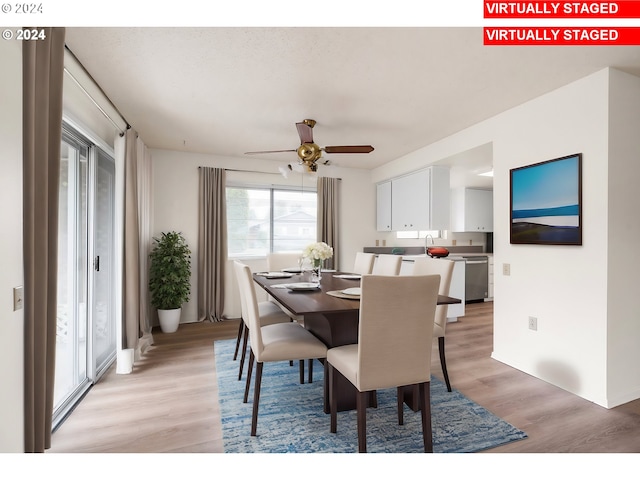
{"type": "Point", "coordinates": [310, 271]}
{"type": "Point", "coordinates": [352, 293]}
{"type": "Point", "coordinates": [309, 292]}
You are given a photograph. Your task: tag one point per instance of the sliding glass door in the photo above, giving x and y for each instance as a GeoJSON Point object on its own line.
{"type": "Point", "coordinates": [71, 340]}
{"type": "Point", "coordinates": [86, 338]}
{"type": "Point", "coordinates": [103, 318]}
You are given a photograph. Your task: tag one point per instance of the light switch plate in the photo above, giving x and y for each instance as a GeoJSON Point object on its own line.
{"type": "Point", "coordinates": [506, 269]}
{"type": "Point", "coordinates": [17, 298]}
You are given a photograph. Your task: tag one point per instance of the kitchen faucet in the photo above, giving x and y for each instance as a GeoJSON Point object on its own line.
{"type": "Point", "coordinates": [426, 243]}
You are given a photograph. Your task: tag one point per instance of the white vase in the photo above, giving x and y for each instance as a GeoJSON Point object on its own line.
{"type": "Point", "coordinates": [169, 319]}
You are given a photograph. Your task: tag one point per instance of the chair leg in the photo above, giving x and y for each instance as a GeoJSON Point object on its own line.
{"type": "Point", "coordinates": [256, 399]}
{"type": "Point", "coordinates": [373, 398]}
{"type": "Point", "coordinates": [325, 387]}
{"type": "Point", "coordinates": [238, 339]}
{"type": "Point", "coordinates": [400, 406]}
{"type": "Point", "coordinates": [330, 374]}
{"type": "Point", "coordinates": [361, 406]}
{"type": "Point", "coordinates": [249, 371]}
{"type": "Point", "coordinates": [244, 352]}
{"type": "Point", "coordinates": [443, 362]}
{"type": "Point", "coordinates": [425, 408]}
{"type": "Point", "coordinates": [291, 361]}
{"type": "Point", "coordinates": [301, 362]}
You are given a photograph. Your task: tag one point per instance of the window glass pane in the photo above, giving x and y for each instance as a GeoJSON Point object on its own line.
{"type": "Point", "coordinates": [420, 234]}
{"type": "Point", "coordinates": [104, 316]}
{"type": "Point", "coordinates": [71, 327]}
{"type": "Point", "coordinates": [294, 219]}
{"type": "Point", "coordinates": [248, 221]}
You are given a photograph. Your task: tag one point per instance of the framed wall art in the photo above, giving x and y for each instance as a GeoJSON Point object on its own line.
{"type": "Point", "coordinates": [546, 202]}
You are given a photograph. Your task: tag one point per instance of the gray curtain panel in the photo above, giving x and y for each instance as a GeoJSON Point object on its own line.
{"type": "Point", "coordinates": [212, 243]}
{"type": "Point", "coordinates": [328, 210]}
{"type": "Point", "coordinates": [137, 237]}
{"type": "Point", "coordinates": [42, 76]}
{"type": "Point", "coordinates": [131, 296]}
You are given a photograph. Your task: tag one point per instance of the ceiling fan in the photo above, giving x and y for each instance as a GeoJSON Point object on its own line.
{"type": "Point", "coordinates": [309, 152]}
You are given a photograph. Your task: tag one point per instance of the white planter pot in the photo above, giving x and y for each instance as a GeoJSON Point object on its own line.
{"type": "Point", "coordinates": [169, 319]}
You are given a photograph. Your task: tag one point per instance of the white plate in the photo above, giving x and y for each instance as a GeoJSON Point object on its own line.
{"type": "Point", "coordinates": [291, 270]}
{"type": "Point", "coordinates": [356, 291]}
{"type": "Point", "coordinates": [303, 286]}
{"type": "Point", "coordinates": [276, 275]}
{"type": "Point", "coordinates": [349, 277]}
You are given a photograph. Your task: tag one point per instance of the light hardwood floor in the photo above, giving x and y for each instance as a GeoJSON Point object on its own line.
{"type": "Point", "coordinates": [169, 402]}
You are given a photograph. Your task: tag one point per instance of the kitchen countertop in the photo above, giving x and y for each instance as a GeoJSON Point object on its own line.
{"type": "Point", "coordinates": [454, 251]}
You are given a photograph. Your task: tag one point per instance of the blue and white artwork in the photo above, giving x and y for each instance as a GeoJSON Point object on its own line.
{"type": "Point", "coordinates": [546, 202]}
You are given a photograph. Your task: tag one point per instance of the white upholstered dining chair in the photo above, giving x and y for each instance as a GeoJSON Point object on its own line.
{"type": "Point", "coordinates": [272, 343]}
{"type": "Point", "coordinates": [277, 261]}
{"type": "Point", "coordinates": [363, 263]}
{"type": "Point", "coordinates": [268, 314]}
{"type": "Point", "coordinates": [387, 264]}
{"type": "Point", "coordinates": [395, 334]}
{"type": "Point", "coordinates": [444, 268]}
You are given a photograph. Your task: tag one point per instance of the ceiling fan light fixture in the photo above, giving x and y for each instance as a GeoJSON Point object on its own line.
{"type": "Point", "coordinates": [284, 170]}
{"type": "Point", "coordinates": [296, 167]}
{"type": "Point", "coordinates": [310, 166]}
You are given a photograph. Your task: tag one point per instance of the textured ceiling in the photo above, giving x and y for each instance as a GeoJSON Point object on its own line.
{"type": "Point", "coordinates": [231, 90]}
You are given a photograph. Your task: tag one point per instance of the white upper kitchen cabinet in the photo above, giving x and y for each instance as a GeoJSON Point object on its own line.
{"type": "Point", "coordinates": [383, 208]}
{"type": "Point", "coordinates": [471, 210]}
{"type": "Point", "coordinates": [419, 201]}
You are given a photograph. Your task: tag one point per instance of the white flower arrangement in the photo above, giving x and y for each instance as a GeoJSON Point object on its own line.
{"type": "Point", "coordinates": [318, 251]}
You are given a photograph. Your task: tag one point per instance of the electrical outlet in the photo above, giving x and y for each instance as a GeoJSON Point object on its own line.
{"type": "Point", "coordinates": [533, 323]}
{"type": "Point", "coordinates": [506, 269]}
{"type": "Point", "coordinates": [17, 298]}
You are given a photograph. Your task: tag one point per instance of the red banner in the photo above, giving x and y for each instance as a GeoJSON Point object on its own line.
{"type": "Point", "coordinates": [562, 9]}
{"type": "Point", "coordinates": [571, 36]}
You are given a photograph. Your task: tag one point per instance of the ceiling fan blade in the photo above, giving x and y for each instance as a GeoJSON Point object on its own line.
{"type": "Point", "coordinates": [349, 149]}
{"type": "Point", "coordinates": [305, 132]}
{"type": "Point", "coordinates": [269, 151]}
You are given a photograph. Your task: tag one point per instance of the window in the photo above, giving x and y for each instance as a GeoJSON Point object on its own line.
{"type": "Point", "coordinates": [263, 220]}
{"type": "Point", "coordinates": [420, 234]}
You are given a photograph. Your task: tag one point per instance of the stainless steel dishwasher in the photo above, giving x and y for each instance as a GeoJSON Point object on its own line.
{"type": "Point", "coordinates": [476, 284]}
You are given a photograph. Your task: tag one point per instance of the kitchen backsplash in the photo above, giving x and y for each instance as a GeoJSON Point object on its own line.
{"type": "Point", "coordinates": [459, 242]}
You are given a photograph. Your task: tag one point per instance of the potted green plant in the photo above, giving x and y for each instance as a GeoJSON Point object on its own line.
{"type": "Point", "coordinates": [169, 278]}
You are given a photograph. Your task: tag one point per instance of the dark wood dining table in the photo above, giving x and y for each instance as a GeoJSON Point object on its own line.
{"type": "Point", "coordinates": [332, 319]}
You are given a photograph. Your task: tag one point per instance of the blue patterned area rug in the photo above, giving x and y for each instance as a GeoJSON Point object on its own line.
{"type": "Point", "coordinates": [291, 417]}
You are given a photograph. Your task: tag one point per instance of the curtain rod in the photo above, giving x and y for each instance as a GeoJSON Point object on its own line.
{"type": "Point", "coordinates": [251, 171]}
{"type": "Point", "coordinates": [248, 171]}
{"type": "Point", "coordinates": [99, 88]}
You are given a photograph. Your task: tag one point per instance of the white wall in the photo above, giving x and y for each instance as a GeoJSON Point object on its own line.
{"type": "Point", "coordinates": [11, 273]}
{"type": "Point", "coordinates": [623, 330]}
{"type": "Point", "coordinates": [566, 287]}
{"type": "Point", "coordinates": [563, 286]}
{"type": "Point", "coordinates": [175, 181]}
